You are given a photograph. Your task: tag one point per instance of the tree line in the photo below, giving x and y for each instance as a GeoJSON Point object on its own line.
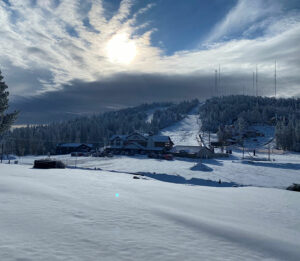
{"type": "Point", "coordinates": [95, 129]}
{"type": "Point", "coordinates": [218, 113]}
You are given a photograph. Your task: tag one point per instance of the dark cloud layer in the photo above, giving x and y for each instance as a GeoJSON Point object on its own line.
{"type": "Point", "coordinates": [123, 90]}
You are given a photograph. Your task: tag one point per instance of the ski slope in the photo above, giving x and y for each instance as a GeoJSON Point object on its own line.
{"type": "Point", "coordinates": [75, 215]}
{"type": "Point", "coordinates": [185, 131]}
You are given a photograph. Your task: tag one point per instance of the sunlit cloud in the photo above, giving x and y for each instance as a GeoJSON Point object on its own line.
{"type": "Point", "coordinates": [121, 49]}
{"type": "Point", "coordinates": [57, 42]}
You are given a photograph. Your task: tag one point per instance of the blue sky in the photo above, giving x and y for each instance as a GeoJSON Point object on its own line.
{"type": "Point", "coordinates": [183, 26]}
{"type": "Point", "coordinates": [54, 46]}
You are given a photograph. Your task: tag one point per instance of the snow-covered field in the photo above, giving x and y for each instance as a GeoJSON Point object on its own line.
{"type": "Point", "coordinates": [282, 171]}
{"type": "Point", "coordinates": [96, 215]}
{"type": "Point", "coordinates": [185, 209]}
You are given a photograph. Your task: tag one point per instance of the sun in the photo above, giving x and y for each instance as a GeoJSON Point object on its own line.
{"type": "Point", "coordinates": [120, 49]}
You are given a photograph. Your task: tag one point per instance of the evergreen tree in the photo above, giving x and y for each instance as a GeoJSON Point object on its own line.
{"type": "Point", "coordinates": [6, 119]}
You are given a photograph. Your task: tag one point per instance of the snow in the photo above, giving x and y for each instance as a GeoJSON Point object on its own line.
{"type": "Point", "coordinates": [176, 210]}
{"type": "Point", "coordinates": [73, 214]}
{"type": "Point", "coordinates": [280, 173]}
{"type": "Point", "coordinates": [261, 142]}
{"type": "Point", "coordinates": [185, 131]}
{"type": "Point", "coordinates": [151, 112]}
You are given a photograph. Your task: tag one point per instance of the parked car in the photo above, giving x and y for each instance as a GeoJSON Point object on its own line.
{"type": "Point", "coordinates": [167, 156]}
{"type": "Point", "coordinates": [80, 154]}
{"type": "Point", "coordinates": [131, 153]}
{"type": "Point", "coordinates": [99, 154]}
{"type": "Point", "coordinates": [152, 155]}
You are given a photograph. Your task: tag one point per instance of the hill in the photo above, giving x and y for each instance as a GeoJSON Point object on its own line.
{"type": "Point", "coordinates": [221, 113]}
{"type": "Point", "coordinates": [97, 129]}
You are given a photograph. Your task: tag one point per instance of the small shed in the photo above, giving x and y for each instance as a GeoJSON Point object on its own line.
{"type": "Point", "coordinates": [205, 153]}
{"type": "Point", "coordinates": [192, 152]}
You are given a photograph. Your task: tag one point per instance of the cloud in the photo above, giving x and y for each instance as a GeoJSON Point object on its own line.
{"type": "Point", "coordinates": [56, 46]}
{"type": "Point", "coordinates": [247, 13]}
{"type": "Point", "coordinates": [123, 90]}
{"type": "Point", "coordinates": [54, 37]}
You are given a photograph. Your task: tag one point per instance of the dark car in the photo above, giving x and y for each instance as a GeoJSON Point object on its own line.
{"type": "Point", "coordinates": [152, 155]}
{"type": "Point", "coordinates": [167, 156]}
{"type": "Point", "coordinates": [80, 154]}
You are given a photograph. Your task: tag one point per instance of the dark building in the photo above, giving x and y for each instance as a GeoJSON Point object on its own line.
{"type": "Point", "coordinates": [139, 143]}
{"type": "Point", "coordinates": [67, 148]}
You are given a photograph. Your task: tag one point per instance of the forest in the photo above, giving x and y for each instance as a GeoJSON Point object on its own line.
{"type": "Point", "coordinates": [284, 114]}
{"type": "Point", "coordinates": [95, 129]}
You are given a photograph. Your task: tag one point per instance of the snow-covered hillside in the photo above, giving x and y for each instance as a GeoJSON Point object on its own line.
{"type": "Point", "coordinates": [96, 215]}
{"type": "Point", "coordinates": [185, 131]}
{"type": "Point", "coordinates": [151, 112]}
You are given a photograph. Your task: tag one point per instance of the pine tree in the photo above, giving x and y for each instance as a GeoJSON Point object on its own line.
{"type": "Point", "coordinates": [7, 119]}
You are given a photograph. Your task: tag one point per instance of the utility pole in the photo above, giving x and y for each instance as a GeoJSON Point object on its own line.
{"type": "Point", "coordinates": [243, 150]}
{"type": "Point", "coordinates": [275, 75]}
{"type": "Point", "coordinates": [216, 82]}
{"type": "Point", "coordinates": [253, 84]}
{"type": "Point", "coordinates": [2, 149]}
{"type": "Point", "coordinates": [256, 79]}
{"type": "Point", "coordinates": [220, 80]}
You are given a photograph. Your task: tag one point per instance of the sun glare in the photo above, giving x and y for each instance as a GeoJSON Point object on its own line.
{"type": "Point", "coordinates": [120, 49]}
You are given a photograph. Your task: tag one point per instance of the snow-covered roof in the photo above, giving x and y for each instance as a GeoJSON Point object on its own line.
{"type": "Point", "coordinates": [114, 147]}
{"type": "Point", "coordinates": [155, 148]}
{"type": "Point", "coordinates": [134, 145]}
{"type": "Point", "coordinates": [122, 137]}
{"type": "Point", "coordinates": [137, 134]}
{"type": "Point", "coordinates": [74, 145]}
{"type": "Point", "coordinates": [188, 149]}
{"type": "Point", "coordinates": [156, 138]}
{"type": "Point", "coordinates": [160, 138]}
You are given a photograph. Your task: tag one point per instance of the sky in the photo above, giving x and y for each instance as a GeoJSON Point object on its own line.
{"type": "Point", "coordinates": [65, 58]}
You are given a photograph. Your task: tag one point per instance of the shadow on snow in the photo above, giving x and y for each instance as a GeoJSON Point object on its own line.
{"type": "Point", "coordinates": [293, 166]}
{"type": "Point", "coordinates": [193, 181]}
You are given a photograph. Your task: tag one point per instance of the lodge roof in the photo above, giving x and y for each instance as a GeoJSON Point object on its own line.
{"type": "Point", "coordinates": [155, 138]}
{"type": "Point", "coordinates": [73, 145]}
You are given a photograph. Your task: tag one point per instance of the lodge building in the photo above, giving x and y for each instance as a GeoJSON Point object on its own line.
{"type": "Point", "coordinates": [139, 143]}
